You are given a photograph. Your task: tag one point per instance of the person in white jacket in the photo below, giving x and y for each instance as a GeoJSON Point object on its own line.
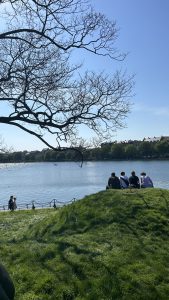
{"type": "Point", "coordinates": [124, 181]}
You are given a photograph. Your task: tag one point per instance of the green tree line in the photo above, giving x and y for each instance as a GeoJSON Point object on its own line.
{"type": "Point", "coordinates": [107, 151]}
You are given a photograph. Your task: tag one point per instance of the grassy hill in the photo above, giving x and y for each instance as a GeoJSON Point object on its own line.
{"type": "Point", "coordinates": [110, 245]}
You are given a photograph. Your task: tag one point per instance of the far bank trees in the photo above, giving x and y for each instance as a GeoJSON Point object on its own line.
{"type": "Point", "coordinates": [114, 151]}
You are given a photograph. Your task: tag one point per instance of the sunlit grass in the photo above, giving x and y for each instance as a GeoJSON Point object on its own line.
{"type": "Point", "coordinates": [110, 245]}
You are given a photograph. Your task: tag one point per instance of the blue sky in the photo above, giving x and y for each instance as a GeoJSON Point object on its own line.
{"type": "Point", "coordinates": [144, 34]}
{"type": "Point", "coordinates": [144, 26]}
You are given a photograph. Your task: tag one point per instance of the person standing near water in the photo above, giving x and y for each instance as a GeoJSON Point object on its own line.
{"type": "Point", "coordinates": [14, 203]}
{"type": "Point", "coordinates": [10, 203]}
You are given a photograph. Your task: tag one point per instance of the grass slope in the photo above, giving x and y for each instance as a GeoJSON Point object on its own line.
{"type": "Point", "coordinates": [110, 245]}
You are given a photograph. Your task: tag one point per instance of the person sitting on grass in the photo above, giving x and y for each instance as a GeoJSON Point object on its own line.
{"type": "Point", "coordinates": [145, 180]}
{"type": "Point", "coordinates": [124, 181]}
{"type": "Point", "coordinates": [113, 182]}
{"type": "Point", "coordinates": [134, 181]}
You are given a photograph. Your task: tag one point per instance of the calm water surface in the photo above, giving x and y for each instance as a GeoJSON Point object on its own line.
{"type": "Point", "coordinates": [63, 181]}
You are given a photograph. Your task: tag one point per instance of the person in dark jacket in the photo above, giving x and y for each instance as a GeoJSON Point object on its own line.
{"type": "Point", "coordinates": [134, 181]}
{"type": "Point", "coordinates": [10, 203]}
{"type": "Point", "coordinates": [114, 182]}
{"type": "Point", "coordinates": [7, 289]}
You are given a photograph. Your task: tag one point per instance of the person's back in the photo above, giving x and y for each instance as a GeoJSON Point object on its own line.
{"type": "Point", "coordinates": [7, 289]}
{"type": "Point", "coordinates": [10, 203]}
{"type": "Point", "coordinates": [134, 181]}
{"type": "Point", "coordinates": [114, 182]}
{"type": "Point", "coordinates": [124, 181]}
{"type": "Point", "coordinates": [145, 181]}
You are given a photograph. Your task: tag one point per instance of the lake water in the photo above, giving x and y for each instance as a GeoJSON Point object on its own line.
{"type": "Point", "coordinates": [63, 181]}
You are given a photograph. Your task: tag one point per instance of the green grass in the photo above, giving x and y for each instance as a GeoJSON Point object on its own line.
{"type": "Point", "coordinates": [110, 245]}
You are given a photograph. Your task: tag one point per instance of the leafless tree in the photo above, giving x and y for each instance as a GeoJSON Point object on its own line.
{"type": "Point", "coordinates": [40, 86]}
{"type": "Point", "coordinates": [3, 147]}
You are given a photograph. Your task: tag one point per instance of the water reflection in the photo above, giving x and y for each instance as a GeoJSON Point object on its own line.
{"type": "Point", "coordinates": [64, 181]}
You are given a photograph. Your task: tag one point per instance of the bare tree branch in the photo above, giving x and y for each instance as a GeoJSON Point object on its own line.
{"type": "Point", "coordinates": [40, 85]}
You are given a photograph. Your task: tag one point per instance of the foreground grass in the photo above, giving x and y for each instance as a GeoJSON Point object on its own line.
{"type": "Point", "coordinates": [110, 245]}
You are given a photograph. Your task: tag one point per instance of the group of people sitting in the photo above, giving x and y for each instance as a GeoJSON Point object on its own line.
{"type": "Point", "coordinates": [12, 203]}
{"type": "Point", "coordinates": [123, 182]}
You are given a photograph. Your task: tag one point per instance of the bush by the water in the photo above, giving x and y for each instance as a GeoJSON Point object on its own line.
{"type": "Point", "coordinates": [110, 245]}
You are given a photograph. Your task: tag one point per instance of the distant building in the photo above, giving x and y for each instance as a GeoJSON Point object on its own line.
{"type": "Point", "coordinates": [152, 139]}
{"type": "Point", "coordinates": [148, 139]}
{"type": "Point", "coordinates": [156, 138]}
{"type": "Point", "coordinates": [107, 144]}
{"type": "Point", "coordinates": [166, 138]}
